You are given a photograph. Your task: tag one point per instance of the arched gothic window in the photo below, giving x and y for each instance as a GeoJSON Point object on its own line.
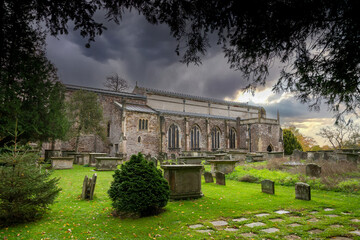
{"type": "Point", "coordinates": [195, 138]}
{"type": "Point", "coordinates": [232, 138]}
{"type": "Point", "coordinates": [173, 137]}
{"type": "Point", "coordinates": [215, 138]}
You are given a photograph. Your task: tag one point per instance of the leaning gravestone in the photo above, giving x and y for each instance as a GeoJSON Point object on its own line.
{"type": "Point", "coordinates": [267, 186]}
{"type": "Point", "coordinates": [313, 170]}
{"type": "Point", "coordinates": [302, 191]}
{"type": "Point", "coordinates": [208, 177]}
{"type": "Point", "coordinates": [88, 187]}
{"type": "Point", "coordinates": [220, 178]}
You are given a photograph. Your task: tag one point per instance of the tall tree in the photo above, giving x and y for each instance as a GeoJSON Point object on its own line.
{"type": "Point", "coordinates": [306, 142]}
{"type": "Point", "coordinates": [317, 40]}
{"type": "Point", "coordinates": [116, 83]}
{"type": "Point", "coordinates": [85, 113]}
{"type": "Point", "coordinates": [290, 142]}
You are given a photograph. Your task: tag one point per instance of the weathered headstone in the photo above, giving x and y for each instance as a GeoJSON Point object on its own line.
{"type": "Point", "coordinates": [313, 170]}
{"type": "Point", "coordinates": [208, 177]}
{"type": "Point", "coordinates": [296, 155]}
{"type": "Point", "coordinates": [89, 187]}
{"type": "Point", "coordinates": [220, 178]}
{"type": "Point", "coordinates": [302, 191]}
{"type": "Point", "coordinates": [267, 186]}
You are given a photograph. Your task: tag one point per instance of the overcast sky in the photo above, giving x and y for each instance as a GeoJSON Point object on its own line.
{"type": "Point", "coordinates": [145, 53]}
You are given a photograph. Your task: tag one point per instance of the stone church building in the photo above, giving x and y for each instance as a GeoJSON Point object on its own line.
{"type": "Point", "coordinates": [153, 121]}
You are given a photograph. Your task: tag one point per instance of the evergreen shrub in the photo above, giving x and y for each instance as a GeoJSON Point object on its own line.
{"type": "Point", "coordinates": [26, 190]}
{"type": "Point", "coordinates": [138, 188]}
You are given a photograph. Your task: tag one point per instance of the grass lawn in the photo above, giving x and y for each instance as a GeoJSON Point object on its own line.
{"type": "Point", "coordinates": [71, 217]}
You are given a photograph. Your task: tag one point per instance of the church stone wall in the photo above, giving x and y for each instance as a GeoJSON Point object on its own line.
{"type": "Point", "coordinates": [262, 135]}
{"type": "Point", "coordinates": [149, 139]}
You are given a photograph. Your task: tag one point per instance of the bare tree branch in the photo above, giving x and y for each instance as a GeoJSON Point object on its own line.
{"type": "Point", "coordinates": [116, 83]}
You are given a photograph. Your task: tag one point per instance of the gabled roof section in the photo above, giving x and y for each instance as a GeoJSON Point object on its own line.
{"type": "Point", "coordinates": [191, 97]}
{"type": "Point", "coordinates": [105, 91]}
{"type": "Point", "coordinates": [136, 108]}
{"type": "Point", "coordinates": [189, 114]}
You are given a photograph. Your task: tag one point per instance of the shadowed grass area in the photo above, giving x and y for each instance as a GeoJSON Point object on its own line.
{"type": "Point", "coordinates": [71, 217]}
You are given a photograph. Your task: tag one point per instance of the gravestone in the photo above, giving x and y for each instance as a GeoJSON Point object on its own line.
{"type": "Point", "coordinates": [313, 170]}
{"type": "Point", "coordinates": [220, 178]}
{"type": "Point", "coordinates": [267, 186]}
{"type": "Point", "coordinates": [88, 187]}
{"type": "Point", "coordinates": [184, 181]}
{"type": "Point", "coordinates": [302, 191]}
{"type": "Point", "coordinates": [296, 155]}
{"type": "Point", "coordinates": [208, 177]}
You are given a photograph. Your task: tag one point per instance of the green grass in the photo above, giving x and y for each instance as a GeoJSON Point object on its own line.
{"type": "Point", "coordinates": [71, 217]}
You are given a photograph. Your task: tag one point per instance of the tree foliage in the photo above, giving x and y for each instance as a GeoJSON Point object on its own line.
{"type": "Point", "coordinates": [86, 115]}
{"type": "Point", "coordinates": [26, 190]}
{"type": "Point", "coordinates": [290, 142]}
{"type": "Point", "coordinates": [316, 40]}
{"type": "Point", "coordinates": [306, 142]}
{"type": "Point", "coordinates": [139, 188]}
{"type": "Point", "coordinates": [116, 83]}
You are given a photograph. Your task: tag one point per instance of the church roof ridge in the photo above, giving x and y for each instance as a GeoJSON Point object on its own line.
{"type": "Point", "coordinates": [105, 91]}
{"type": "Point", "coordinates": [188, 96]}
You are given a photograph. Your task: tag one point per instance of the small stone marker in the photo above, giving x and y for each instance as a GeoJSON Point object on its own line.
{"type": "Point", "coordinates": [220, 178]}
{"type": "Point", "coordinates": [267, 186]}
{"type": "Point", "coordinates": [208, 177]}
{"type": "Point", "coordinates": [88, 187]}
{"type": "Point", "coordinates": [313, 170]}
{"type": "Point", "coordinates": [315, 231]}
{"type": "Point", "coordinates": [205, 231]}
{"type": "Point", "coordinates": [302, 191]}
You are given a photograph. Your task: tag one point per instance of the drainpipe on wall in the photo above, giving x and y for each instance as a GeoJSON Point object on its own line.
{"type": "Point", "coordinates": [249, 129]}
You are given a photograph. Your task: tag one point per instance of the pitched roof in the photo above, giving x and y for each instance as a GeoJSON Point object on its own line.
{"type": "Point", "coordinates": [105, 91]}
{"type": "Point", "coordinates": [195, 114]}
{"type": "Point", "coordinates": [136, 108]}
{"type": "Point", "coordinates": [200, 98]}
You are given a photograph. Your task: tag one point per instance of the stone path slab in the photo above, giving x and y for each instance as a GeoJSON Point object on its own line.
{"type": "Point", "coordinates": [357, 232]}
{"type": "Point", "coordinates": [205, 231]}
{"type": "Point", "coordinates": [255, 224]}
{"type": "Point", "coordinates": [313, 220]}
{"type": "Point", "coordinates": [294, 225]}
{"type": "Point", "coordinates": [249, 235]}
{"type": "Point", "coordinates": [231, 229]}
{"type": "Point", "coordinates": [282, 212]}
{"type": "Point", "coordinates": [219, 223]}
{"type": "Point", "coordinates": [262, 215]}
{"type": "Point", "coordinates": [315, 231]}
{"type": "Point", "coordinates": [355, 220]}
{"type": "Point", "coordinates": [341, 238]}
{"type": "Point", "coordinates": [336, 226]}
{"type": "Point", "coordinates": [276, 220]}
{"type": "Point", "coordinates": [331, 215]}
{"type": "Point", "coordinates": [270, 230]}
{"type": "Point", "coordinates": [328, 209]}
{"type": "Point", "coordinates": [346, 213]}
{"type": "Point", "coordinates": [292, 237]}
{"type": "Point", "coordinates": [196, 226]}
{"type": "Point", "coordinates": [313, 212]}
{"type": "Point", "coordinates": [239, 219]}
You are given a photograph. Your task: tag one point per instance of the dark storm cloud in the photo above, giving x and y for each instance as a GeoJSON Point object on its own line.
{"type": "Point", "coordinates": [293, 109]}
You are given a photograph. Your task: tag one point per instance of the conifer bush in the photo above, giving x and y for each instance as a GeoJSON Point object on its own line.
{"type": "Point", "coordinates": [26, 190]}
{"type": "Point", "coordinates": [138, 188]}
